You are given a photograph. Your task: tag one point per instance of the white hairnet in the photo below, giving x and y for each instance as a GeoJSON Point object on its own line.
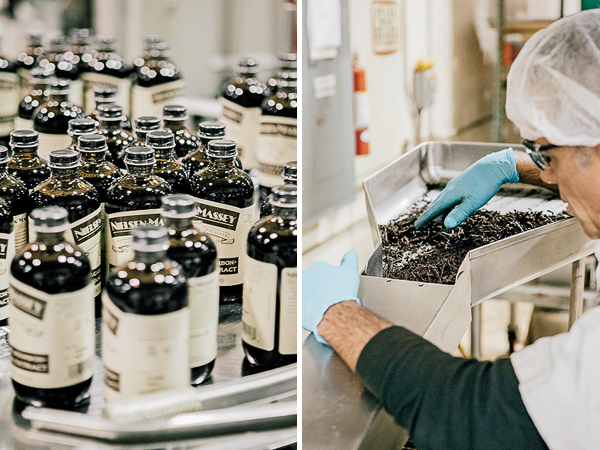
{"type": "Point", "coordinates": [553, 86]}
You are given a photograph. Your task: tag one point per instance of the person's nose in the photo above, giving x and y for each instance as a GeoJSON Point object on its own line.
{"type": "Point", "coordinates": [549, 176]}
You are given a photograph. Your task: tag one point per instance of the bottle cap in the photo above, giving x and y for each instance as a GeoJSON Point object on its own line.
{"type": "Point", "coordinates": [290, 76]}
{"type": "Point", "coordinates": [211, 130]}
{"type": "Point", "coordinates": [160, 139]}
{"type": "Point", "coordinates": [92, 143]}
{"type": "Point", "coordinates": [221, 148]}
{"type": "Point", "coordinates": [58, 44]}
{"type": "Point", "coordinates": [41, 74]}
{"type": "Point", "coordinates": [52, 219]}
{"type": "Point", "coordinates": [174, 112]}
{"type": "Point", "coordinates": [77, 127]}
{"type": "Point", "coordinates": [3, 154]}
{"type": "Point", "coordinates": [106, 42]}
{"type": "Point", "coordinates": [34, 37]}
{"type": "Point", "coordinates": [150, 239]}
{"type": "Point", "coordinates": [139, 156]}
{"type": "Point", "coordinates": [178, 206]}
{"type": "Point", "coordinates": [290, 171]}
{"type": "Point", "coordinates": [60, 86]}
{"type": "Point", "coordinates": [105, 92]}
{"type": "Point", "coordinates": [24, 138]}
{"type": "Point", "coordinates": [247, 65]}
{"type": "Point", "coordinates": [285, 196]}
{"type": "Point", "coordinates": [64, 159]}
{"type": "Point", "coordinates": [145, 124]}
{"type": "Point", "coordinates": [110, 112]}
{"type": "Point", "coordinates": [152, 39]}
{"type": "Point", "coordinates": [80, 36]}
{"type": "Point", "coordinates": [288, 60]}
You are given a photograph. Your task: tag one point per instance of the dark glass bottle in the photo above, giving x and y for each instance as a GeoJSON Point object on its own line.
{"type": "Point", "coordinates": [80, 127]}
{"type": "Point", "coordinates": [107, 68]}
{"type": "Point", "coordinates": [28, 59]}
{"type": "Point", "coordinates": [117, 139]}
{"type": "Point", "coordinates": [198, 159]}
{"type": "Point", "coordinates": [133, 200]}
{"type": "Point", "coordinates": [107, 95]}
{"type": "Point", "coordinates": [174, 117]}
{"type": "Point", "coordinates": [51, 120]}
{"type": "Point", "coordinates": [58, 61]}
{"type": "Point", "coordinates": [146, 296]}
{"type": "Point", "coordinates": [80, 52]}
{"type": "Point", "coordinates": [66, 189]}
{"type": "Point", "coordinates": [197, 255]}
{"type": "Point", "coordinates": [157, 83]}
{"type": "Point", "coordinates": [7, 252]}
{"type": "Point", "coordinates": [150, 43]}
{"type": "Point", "coordinates": [55, 273]}
{"type": "Point", "coordinates": [269, 307]}
{"type": "Point", "coordinates": [40, 92]}
{"type": "Point", "coordinates": [163, 144]}
{"type": "Point", "coordinates": [10, 94]}
{"type": "Point", "coordinates": [225, 204]}
{"type": "Point", "coordinates": [290, 176]}
{"type": "Point", "coordinates": [241, 101]}
{"type": "Point", "coordinates": [143, 126]}
{"type": "Point", "coordinates": [25, 163]}
{"type": "Point", "coordinates": [14, 192]}
{"type": "Point", "coordinates": [287, 62]}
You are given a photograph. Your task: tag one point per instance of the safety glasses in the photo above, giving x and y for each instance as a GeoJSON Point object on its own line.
{"type": "Point", "coordinates": [536, 153]}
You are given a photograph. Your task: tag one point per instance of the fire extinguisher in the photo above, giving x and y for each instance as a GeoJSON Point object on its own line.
{"type": "Point", "coordinates": [360, 100]}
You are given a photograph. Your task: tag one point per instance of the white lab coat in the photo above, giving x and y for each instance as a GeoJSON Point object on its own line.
{"type": "Point", "coordinates": [559, 381]}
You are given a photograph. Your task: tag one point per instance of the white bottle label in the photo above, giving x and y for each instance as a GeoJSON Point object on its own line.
{"type": "Point", "coordinates": [10, 90]}
{"type": "Point", "coordinates": [86, 234]}
{"type": "Point", "coordinates": [7, 253]}
{"type": "Point", "coordinates": [228, 227]}
{"type": "Point", "coordinates": [144, 353]}
{"type": "Point", "coordinates": [259, 305]}
{"type": "Point", "coordinates": [149, 101]}
{"type": "Point", "coordinates": [118, 233]}
{"type": "Point", "coordinates": [23, 124]}
{"type": "Point", "coordinates": [52, 336]}
{"type": "Point", "coordinates": [51, 142]}
{"type": "Point", "coordinates": [276, 146]}
{"type": "Point", "coordinates": [91, 80]}
{"type": "Point", "coordinates": [203, 297]}
{"type": "Point", "coordinates": [241, 126]}
{"type": "Point", "coordinates": [288, 311]}
{"type": "Point", "coordinates": [20, 227]}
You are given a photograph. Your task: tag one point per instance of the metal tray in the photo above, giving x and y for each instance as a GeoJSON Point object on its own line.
{"type": "Point", "coordinates": [439, 312]}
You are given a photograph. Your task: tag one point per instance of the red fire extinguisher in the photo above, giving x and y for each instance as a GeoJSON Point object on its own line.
{"type": "Point", "coordinates": [360, 110]}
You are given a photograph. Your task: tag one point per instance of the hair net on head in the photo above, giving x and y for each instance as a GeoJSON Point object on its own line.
{"type": "Point", "coordinates": [553, 86]}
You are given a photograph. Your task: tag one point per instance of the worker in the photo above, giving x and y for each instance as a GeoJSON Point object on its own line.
{"type": "Point", "coordinates": [548, 394]}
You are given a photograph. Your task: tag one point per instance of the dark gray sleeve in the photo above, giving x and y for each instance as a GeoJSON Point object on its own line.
{"type": "Point", "coordinates": [446, 403]}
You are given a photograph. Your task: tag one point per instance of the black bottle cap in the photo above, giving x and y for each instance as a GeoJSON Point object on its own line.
{"type": "Point", "coordinates": [147, 124]}
{"type": "Point", "coordinates": [178, 206]}
{"type": "Point", "coordinates": [60, 86]}
{"type": "Point", "coordinates": [64, 159]}
{"type": "Point", "coordinates": [52, 219]}
{"type": "Point", "coordinates": [150, 239]}
{"type": "Point", "coordinates": [174, 112]}
{"type": "Point", "coordinates": [85, 125]}
{"type": "Point", "coordinates": [3, 154]}
{"type": "Point", "coordinates": [58, 44]}
{"type": "Point", "coordinates": [290, 171]}
{"type": "Point", "coordinates": [41, 74]}
{"type": "Point", "coordinates": [104, 92]}
{"type": "Point", "coordinates": [106, 42]}
{"type": "Point", "coordinates": [24, 138]}
{"type": "Point", "coordinates": [221, 148]}
{"type": "Point", "coordinates": [92, 143]}
{"type": "Point", "coordinates": [291, 76]}
{"type": "Point", "coordinates": [211, 130]}
{"type": "Point", "coordinates": [288, 60]}
{"type": "Point", "coordinates": [34, 37]}
{"type": "Point", "coordinates": [110, 112]}
{"type": "Point", "coordinates": [139, 156]}
{"type": "Point", "coordinates": [247, 65]}
{"type": "Point", "coordinates": [160, 139]}
{"type": "Point", "coordinates": [285, 196]}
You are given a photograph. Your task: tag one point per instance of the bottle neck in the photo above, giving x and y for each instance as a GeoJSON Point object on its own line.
{"type": "Point", "coordinates": [285, 212]}
{"type": "Point", "coordinates": [111, 124]}
{"type": "Point", "coordinates": [222, 163]}
{"type": "Point", "coordinates": [141, 135]}
{"type": "Point", "coordinates": [59, 98]}
{"type": "Point", "coordinates": [92, 157]}
{"type": "Point", "coordinates": [204, 141]}
{"type": "Point", "coordinates": [50, 238]}
{"type": "Point", "coordinates": [174, 125]}
{"type": "Point", "coordinates": [26, 152]}
{"type": "Point", "coordinates": [104, 101]}
{"type": "Point", "coordinates": [64, 174]}
{"type": "Point", "coordinates": [149, 257]}
{"type": "Point", "coordinates": [288, 181]}
{"type": "Point", "coordinates": [179, 223]}
{"type": "Point", "coordinates": [286, 87]}
{"type": "Point", "coordinates": [164, 153]}
{"type": "Point", "coordinates": [139, 170]}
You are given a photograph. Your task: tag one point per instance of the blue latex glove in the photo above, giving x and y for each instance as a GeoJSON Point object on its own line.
{"type": "Point", "coordinates": [324, 285]}
{"type": "Point", "coordinates": [472, 188]}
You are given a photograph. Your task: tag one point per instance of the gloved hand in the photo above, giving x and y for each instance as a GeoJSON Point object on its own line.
{"type": "Point", "coordinates": [472, 188]}
{"type": "Point", "coordinates": [324, 285]}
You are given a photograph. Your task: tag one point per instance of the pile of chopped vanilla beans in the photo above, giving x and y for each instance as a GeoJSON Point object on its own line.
{"type": "Point", "coordinates": [433, 254]}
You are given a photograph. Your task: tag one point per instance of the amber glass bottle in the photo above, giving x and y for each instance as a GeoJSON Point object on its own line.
{"type": "Point", "coordinates": [51, 120]}
{"type": "Point", "coordinates": [197, 255]}
{"type": "Point", "coordinates": [198, 159]}
{"type": "Point", "coordinates": [28, 59]}
{"type": "Point", "coordinates": [287, 62]}
{"type": "Point", "coordinates": [51, 291]}
{"type": "Point", "coordinates": [25, 163]}
{"type": "Point", "coordinates": [65, 188]}
{"type": "Point", "coordinates": [57, 59]}
{"type": "Point", "coordinates": [14, 192]}
{"type": "Point", "coordinates": [7, 252]}
{"type": "Point", "coordinates": [133, 200]}
{"type": "Point", "coordinates": [107, 95]}
{"type": "Point", "coordinates": [40, 92]}
{"type": "Point", "coordinates": [143, 126]}
{"type": "Point", "coordinates": [269, 307]}
{"type": "Point", "coordinates": [174, 117]}
{"type": "Point", "coordinates": [150, 43]}
{"type": "Point", "coordinates": [117, 139]}
{"type": "Point", "coordinates": [225, 210]}
{"type": "Point", "coordinates": [10, 94]}
{"type": "Point", "coordinates": [169, 169]}
{"type": "Point", "coordinates": [290, 176]}
{"type": "Point", "coordinates": [80, 127]}
{"type": "Point", "coordinates": [146, 298]}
